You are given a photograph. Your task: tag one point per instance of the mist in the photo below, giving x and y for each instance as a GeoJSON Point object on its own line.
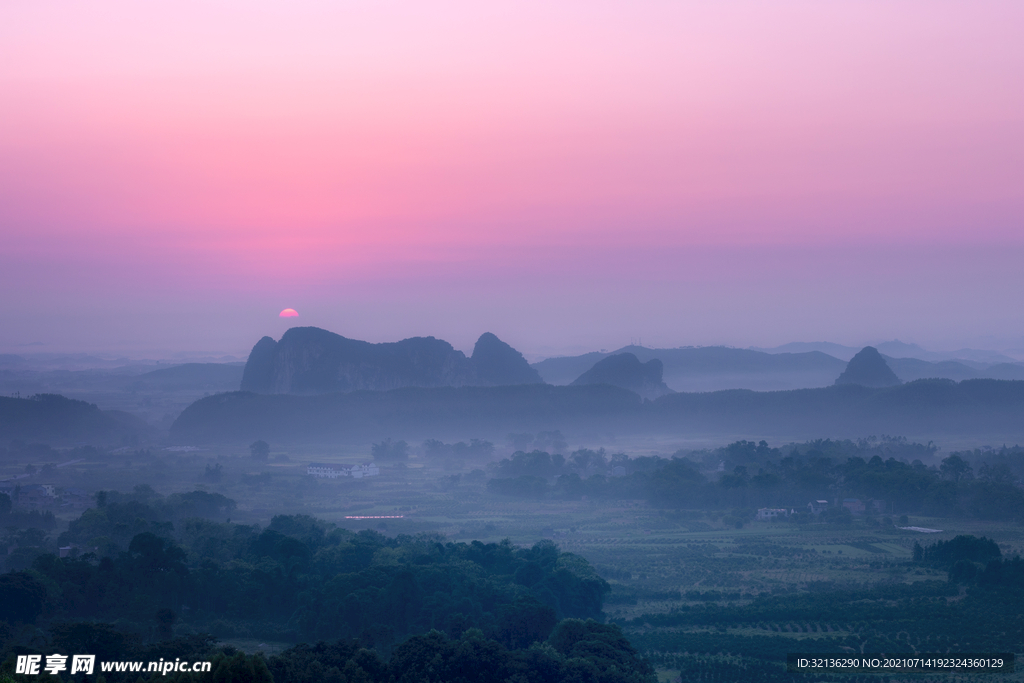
{"type": "Point", "coordinates": [511, 342]}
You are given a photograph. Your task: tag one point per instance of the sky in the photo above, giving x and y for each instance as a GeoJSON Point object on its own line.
{"type": "Point", "coordinates": [570, 176]}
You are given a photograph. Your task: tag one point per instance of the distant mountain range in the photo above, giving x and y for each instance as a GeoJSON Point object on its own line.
{"type": "Point", "coordinates": [308, 361]}
{"type": "Point", "coordinates": [57, 420]}
{"type": "Point", "coordinates": [717, 368]}
{"type": "Point", "coordinates": [896, 349]}
{"type": "Point", "coordinates": [990, 409]}
{"type": "Point", "coordinates": [198, 376]}
{"type": "Point", "coordinates": [712, 368]}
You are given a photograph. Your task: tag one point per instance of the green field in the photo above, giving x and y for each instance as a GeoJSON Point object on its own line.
{"type": "Point", "coordinates": [702, 593]}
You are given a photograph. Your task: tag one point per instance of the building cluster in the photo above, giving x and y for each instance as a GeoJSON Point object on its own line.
{"type": "Point", "coordinates": [768, 514]}
{"type": "Point", "coordinates": [45, 496]}
{"type": "Point", "coordinates": [322, 470]}
{"type": "Point", "coordinates": [856, 506]}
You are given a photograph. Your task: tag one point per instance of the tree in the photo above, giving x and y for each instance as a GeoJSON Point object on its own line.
{"type": "Point", "coordinates": [165, 618]}
{"type": "Point", "coordinates": [956, 468]}
{"type": "Point", "coordinates": [5, 503]}
{"type": "Point", "coordinates": [388, 450]}
{"type": "Point", "coordinates": [260, 450]}
{"type": "Point", "coordinates": [21, 597]}
{"type": "Point", "coordinates": [242, 669]}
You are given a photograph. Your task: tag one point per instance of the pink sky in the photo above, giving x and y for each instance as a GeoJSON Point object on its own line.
{"type": "Point", "coordinates": [568, 175]}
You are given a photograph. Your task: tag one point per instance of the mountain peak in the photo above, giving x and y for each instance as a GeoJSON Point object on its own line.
{"type": "Point", "coordinates": [499, 364]}
{"type": "Point", "coordinates": [625, 370]}
{"type": "Point", "coordinates": [868, 368]}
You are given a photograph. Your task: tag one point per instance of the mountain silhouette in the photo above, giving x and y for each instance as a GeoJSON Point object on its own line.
{"type": "Point", "coordinates": [498, 364]}
{"type": "Point", "coordinates": [978, 407]}
{"type": "Point", "coordinates": [868, 369]}
{"type": "Point", "coordinates": [626, 371]}
{"type": "Point", "coordinates": [57, 420]}
{"type": "Point", "coordinates": [711, 368]}
{"type": "Point", "coordinates": [309, 360]}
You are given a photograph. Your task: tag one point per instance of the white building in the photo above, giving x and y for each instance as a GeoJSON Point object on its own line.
{"type": "Point", "coordinates": [359, 471]}
{"type": "Point", "coordinates": [327, 471]}
{"type": "Point", "coordinates": [324, 471]}
{"type": "Point", "coordinates": [767, 514]}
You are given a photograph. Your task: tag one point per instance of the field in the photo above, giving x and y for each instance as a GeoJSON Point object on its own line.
{"type": "Point", "coordinates": [706, 595]}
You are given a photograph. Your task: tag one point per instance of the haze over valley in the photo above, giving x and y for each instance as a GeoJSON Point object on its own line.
{"type": "Point", "coordinates": [511, 342]}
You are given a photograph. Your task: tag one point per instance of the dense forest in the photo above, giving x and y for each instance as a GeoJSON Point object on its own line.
{"type": "Point", "coordinates": [746, 475]}
{"type": "Point", "coordinates": [151, 567]}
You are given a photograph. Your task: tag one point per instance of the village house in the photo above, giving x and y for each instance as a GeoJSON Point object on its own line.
{"type": "Point", "coordinates": [368, 470]}
{"type": "Point", "coordinates": [854, 505]}
{"type": "Point", "coordinates": [75, 497]}
{"type": "Point", "coordinates": [768, 514]}
{"type": "Point", "coordinates": [816, 507]}
{"type": "Point", "coordinates": [36, 495]}
{"type": "Point", "coordinates": [860, 507]}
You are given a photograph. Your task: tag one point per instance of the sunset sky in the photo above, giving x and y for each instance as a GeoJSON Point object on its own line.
{"type": "Point", "coordinates": [569, 176]}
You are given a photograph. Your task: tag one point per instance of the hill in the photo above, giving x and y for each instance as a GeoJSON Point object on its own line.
{"type": "Point", "coordinates": [712, 368]}
{"type": "Point", "coordinates": [910, 369]}
{"type": "Point", "coordinates": [498, 364]}
{"type": "Point", "coordinates": [868, 369]}
{"type": "Point", "coordinates": [310, 360]}
{"type": "Point", "coordinates": [197, 376]}
{"type": "Point", "coordinates": [626, 371]}
{"type": "Point", "coordinates": [58, 420]}
{"type": "Point", "coordinates": [793, 366]}
{"type": "Point", "coordinates": [977, 358]}
{"type": "Point", "coordinates": [991, 409]}
{"type": "Point", "coordinates": [432, 412]}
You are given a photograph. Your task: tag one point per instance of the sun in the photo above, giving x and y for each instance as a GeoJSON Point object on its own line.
{"type": "Point", "coordinates": [288, 313]}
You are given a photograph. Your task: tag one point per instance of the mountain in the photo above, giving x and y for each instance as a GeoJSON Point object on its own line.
{"type": "Point", "coordinates": [976, 358]}
{"type": "Point", "coordinates": [258, 373]}
{"type": "Point", "coordinates": [899, 349]}
{"type": "Point", "coordinates": [844, 353]}
{"type": "Point", "coordinates": [924, 409]}
{"type": "Point", "coordinates": [563, 370]}
{"type": "Point", "coordinates": [910, 369]}
{"type": "Point", "coordinates": [868, 369]}
{"type": "Point", "coordinates": [196, 376]}
{"type": "Point", "coordinates": [55, 420]}
{"type": "Point", "coordinates": [498, 364]}
{"type": "Point", "coordinates": [626, 371]}
{"type": "Point", "coordinates": [712, 368]}
{"type": "Point", "coordinates": [434, 412]}
{"type": "Point", "coordinates": [308, 360]}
